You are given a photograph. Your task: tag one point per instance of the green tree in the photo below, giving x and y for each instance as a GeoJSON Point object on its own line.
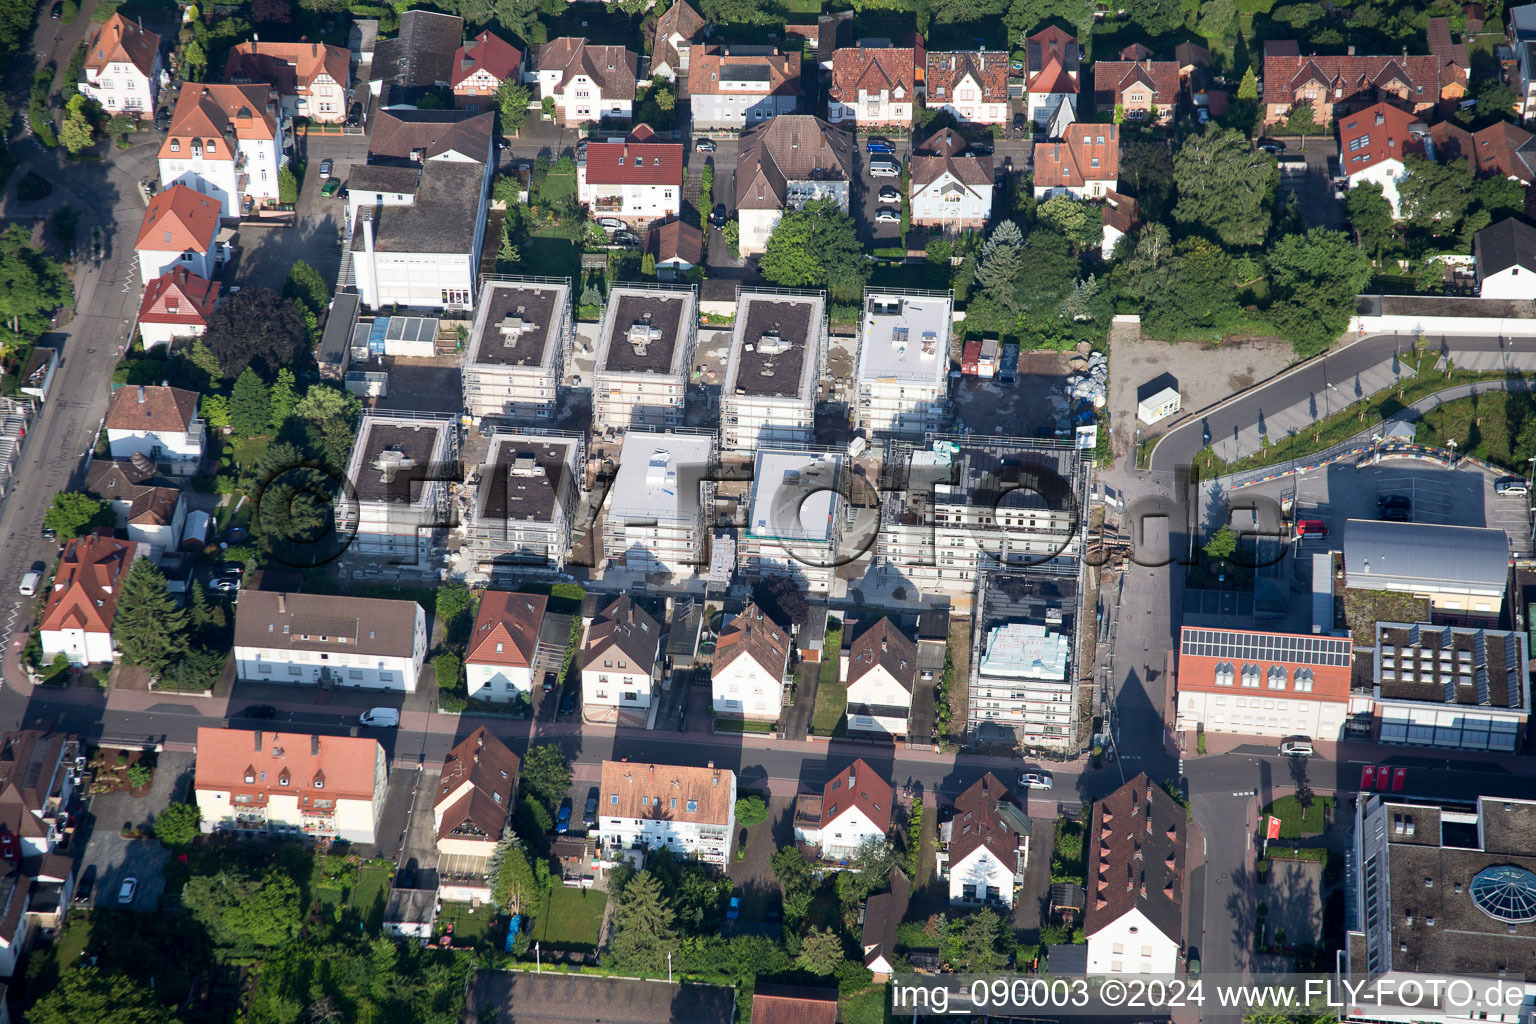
{"type": "Point", "coordinates": [139, 774]}
{"type": "Point", "coordinates": [1222, 544]}
{"type": "Point", "coordinates": [648, 265]}
{"type": "Point", "coordinates": [202, 357]}
{"type": "Point", "coordinates": [1226, 186]}
{"type": "Point", "coordinates": [194, 62]}
{"type": "Point", "coordinates": [1303, 121]}
{"type": "Point", "coordinates": [257, 327]}
{"type": "Point", "coordinates": [178, 825]}
{"type": "Point", "coordinates": [1025, 16]}
{"type": "Point", "coordinates": [707, 187]}
{"type": "Point", "coordinates": [546, 774]}
{"type": "Point", "coordinates": [515, 886]}
{"type": "Point", "coordinates": [250, 404]}
{"type": "Point", "coordinates": [282, 400]}
{"type": "Point", "coordinates": [1216, 18]}
{"type": "Point", "coordinates": [1248, 88]}
{"type": "Point", "coordinates": [1315, 278]}
{"type": "Point", "coordinates": [305, 286]}
{"type": "Point", "coordinates": [31, 285]}
{"type": "Point", "coordinates": [102, 997]}
{"type": "Point", "coordinates": [287, 185]}
{"type": "Point", "coordinates": [512, 103]}
{"type": "Point", "coordinates": [330, 417]}
{"type": "Point", "coordinates": [1001, 263]}
{"type": "Point", "coordinates": [976, 944]}
{"type": "Point", "coordinates": [65, 225]}
{"type": "Point", "coordinates": [1434, 197]}
{"type": "Point", "coordinates": [821, 951]}
{"type": "Point", "coordinates": [750, 810]}
{"type": "Point", "coordinates": [643, 930]}
{"type": "Point", "coordinates": [76, 133]}
{"type": "Point", "coordinates": [242, 910]}
{"type": "Point", "coordinates": [507, 253]}
{"type": "Point", "coordinates": [1370, 217]}
{"type": "Point", "coordinates": [1146, 172]}
{"type": "Point", "coordinates": [816, 246]}
{"type": "Point", "coordinates": [73, 514]}
{"type": "Point", "coordinates": [1081, 223]}
{"type": "Point", "coordinates": [149, 631]}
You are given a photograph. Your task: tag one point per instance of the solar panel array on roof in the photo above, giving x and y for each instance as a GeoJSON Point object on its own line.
{"type": "Point", "coordinates": [1295, 648]}
{"type": "Point", "coordinates": [411, 328]}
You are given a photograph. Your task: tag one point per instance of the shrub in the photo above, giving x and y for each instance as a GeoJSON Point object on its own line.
{"type": "Point", "coordinates": [139, 774]}
{"type": "Point", "coordinates": [177, 825]}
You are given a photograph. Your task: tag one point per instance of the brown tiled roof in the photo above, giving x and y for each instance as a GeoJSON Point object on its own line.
{"type": "Point", "coordinates": [1135, 851]}
{"type": "Point", "coordinates": [976, 823]}
{"type": "Point", "coordinates": [613, 68]}
{"type": "Point", "coordinates": [1134, 52]}
{"type": "Point", "coordinates": [475, 793]}
{"type": "Point", "coordinates": [1376, 134]}
{"type": "Point", "coordinates": [635, 163]}
{"type": "Point", "coordinates": [210, 112]}
{"type": "Point", "coordinates": [945, 151]}
{"type": "Point", "coordinates": [121, 41]}
{"type": "Point", "coordinates": [623, 629]}
{"type": "Point", "coordinates": [682, 20]}
{"type": "Point", "coordinates": [117, 479]}
{"type": "Point", "coordinates": [1453, 142]}
{"type": "Point", "coordinates": [988, 68]}
{"type": "Point", "coordinates": [663, 792]}
{"type": "Point", "coordinates": [676, 239]}
{"type": "Point", "coordinates": [790, 147]}
{"type": "Point", "coordinates": [883, 913]}
{"type": "Point", "coordinates": [152, 407]}
{"type": "Point", "coordinates": [154, 506]}
{"type": "Point", "coordinates": [1453, 59]}
{"type": "Point", "coordinates": [267, 619]}
{"type": "Point", "coordinates": [400, 133]}
{"type": "Point", "coordinates": [1121, 212]}
{"type": "Point", "coordinates": [1502, 148]}
{"type": "Point", "coordinates": [1070, 162]}
{"type": "Point", "coordinates": [1112, 78]}
{"type": "Point", "coordinates": [29, 763]}
{"type": "Point", "coordinates": [1052, 79]}
{"type": "Point", "coordinates": [887, 646]}
{"type": "Point", "coordinates": [793, 1004]}
{"type": "Point", "coordinates": [872, 70]}
{"type": "Point", "coordinates": [287, 67]}
{"type": "Point", "coordinates": [486, 52]}
{"type": "Point", "coordinates": [1284, 72]}
{"type": "Point", "coordinates": [178, 297]}
{"type": "Point", "coordinates": [756, 635]}
{"type": "Point", "coordinates": [859, 786]}
{"type": "Point", "coordinates": [1188, 54]}
{"type": "Point", "coordinates": [344, 766]}
{"type": "Point", "coordinates": [179, 220]}
{"type": "Point", "coordinates": [506, 629]}
{"type": "Point", "coordinates": [1051, 43]}
{"type": "Point", "coordinates": [708, 69]}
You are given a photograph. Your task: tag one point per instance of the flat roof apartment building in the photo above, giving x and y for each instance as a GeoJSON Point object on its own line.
{"type": "Point", "coordinates": [794, 516]}
{"type": "Point", "coordinates": [958, 506]}
{"type": "Point", "coordinates": [644, 348]}
{"type": "Point", "coordinates": [400, 471]}
{"type": "Point", "coordinates": [903, 369]}
{"type": "Point", "coordinates": [655, 520]}
{"type": "Point", "coordinates": [1023, 661]}
{"type": "Point", "coordinates": [778, 353]}
{"type": "Point", "coordinates": [522, 504]}
{"type": "Point", "coordinates": [1453, 687]}
{"type": "Point", "coordinates": [523, 329]}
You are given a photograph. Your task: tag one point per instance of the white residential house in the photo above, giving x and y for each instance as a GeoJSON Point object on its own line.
{"type": "Point", "coordinates": [180, 232]}
{"type": "Point", "coordinates": [872, 86]}
{"type": "Point", "coordinates": [902, 378]}
{"type": "Point", "coordinates": [82, 602]}
{"type": "Point", "coordinates": [587, 82]}
{"type": "Point", "coordinates": [1135, 915]}
{"type": "Point", "coordinates": [751, 662]}
{"type": "Point", "coordinates": [316, 639]}
{"type": "Point", "coordinates": [637, 180]}
{"type": "Point", "coordinates": [123, 68]}
{"type": "Point", "coordinates": [951, 187]}
{"type": "Point", "coordinates": [1084, 163]}
{"type": "Point", "coordinates": [176, 304]}
{"type": "Point", "coordinates": [1053, 60]}
{"type": "Point", "coordinates": [156, 517]}
{"type": "Point", "coordinates": [784, 163]}
{"type": "Point", "coordinates": [678, 31]}
{"type": "Point", "coordinates": [655, 516]}
{"type": "Point", "coordinates": [475, 794]}
{"type": "Point", "coordinates": [498, 664]}
{"type": "Point", "coordinates": [737, 86]}
{"type": "Point", "coordinates": [1505, 257]}
{"type": "Point", "coordinates": [619, 666]}
{"type": "Point", "coordinates": [312, 80]}
{"type": "Point", "coordinates": [971, 86]}
{"type": "Point", "coordinates": [686, 810]}
{"type": "Point", "coordinates": [227, 142]}
{"type": "Point", "coordinates": [263, 783]}
{"type": "Point", "coordinates": [852, 808]}
{"type": "Point", "coordinates": [1373, 143]}
{"type": "Point", "coordinates": [159, 423]}
{"type": "Point", "coordinates": [985, 845]}
{"type": "Point", "coordinates": [880, 670]}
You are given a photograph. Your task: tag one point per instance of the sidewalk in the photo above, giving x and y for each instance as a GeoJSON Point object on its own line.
{"type": "Point", "coordinates": [1363, 752]}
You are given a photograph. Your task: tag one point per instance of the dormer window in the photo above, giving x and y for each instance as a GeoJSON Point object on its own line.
{"type": "Point", "coordinates": [175, 145]}
{"type": "Point", "coordinates": [212, 146]}
{"type": "Point", "coordinates": [282, 778]}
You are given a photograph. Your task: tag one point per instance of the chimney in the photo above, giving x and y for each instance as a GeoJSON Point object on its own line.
{"type": "Point", "coordinates": [314, 744]}
{"type": "Point", "coordinates": [282, 604]}
{"type": "Point", "coordinates": [141, 394]}
{"type": "Point", "coordinates": [258, 741]}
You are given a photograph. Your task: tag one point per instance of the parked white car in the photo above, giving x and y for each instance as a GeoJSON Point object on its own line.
{"type": "Point", "coordinates": [380, 718]}
{"type": "Point", "coordinates": [29, 583]}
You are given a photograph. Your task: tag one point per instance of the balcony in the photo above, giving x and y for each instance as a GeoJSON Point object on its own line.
{"type": "Point", "coordinates": [608, 204]}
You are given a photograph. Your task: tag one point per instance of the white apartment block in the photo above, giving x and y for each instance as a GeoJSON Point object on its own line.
{"type": "Point", "coordinates": [160, 423]}
{"type": "Point", "coordinates": [329, 640]}
{"type": "Point", "coordinates": [966, 504]}
{"type": "Point", "coordinates": [777, 357]}
{"type": "Point", "coordinates": [517, 349]}
{"type": "Point", "coordinates": [521, 505]}
{"type": "Point", "coordinates": [1023, 684]}
{"type": "Point", "coordinates": [227, 142]}
{"type": "Point", "coordinates": [903, 369]}
{"type": "Point", "coordinates": [644, 351]}
{"type": "Point", "coordinates": [657, 505]}
{"type": "Point", "coordinates": [686, 810]}
{"type": "Point", "coordinates": [401, 466]}
{"type": "Point", "coordinates": [795, 512]}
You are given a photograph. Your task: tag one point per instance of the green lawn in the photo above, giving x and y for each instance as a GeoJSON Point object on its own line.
{"type": "Point", "coordinates": [558, 186]}
{"type": "Point", "coordinates": [868, 1007]}
{"type": "Point", "coordinates": [551, 255]}
{"type": "Point", "coordinates": [1486, 426]}
{"type": "Point", "coordinates": [831, 695]}
{"type": "Point", "coordinates": [371, 891]}
{"type": "Point", "coordinates": [470, 924]}
{"type": "Point", "coordinates": [1293, 823]}
{"type": "Point", "coordinates": [738, 725]}
{"type": "Point", "coordinates": [569, 918]}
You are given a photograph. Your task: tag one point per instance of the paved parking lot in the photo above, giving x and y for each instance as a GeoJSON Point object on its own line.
{"type": "Point", "coordinates": [107, 858]}
{"type": "Point", "coordinates": [865, 200]}
{"type": "Point", "coordinates": [1311, 179]}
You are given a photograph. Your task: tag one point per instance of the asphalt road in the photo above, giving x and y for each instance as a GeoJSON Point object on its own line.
{"type": "Point", "coordinates": [1334, 373]}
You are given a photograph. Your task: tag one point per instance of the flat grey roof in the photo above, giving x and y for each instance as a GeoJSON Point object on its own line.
{"type": "Point", "coordinates": [1378, 553]}
{"type": "Point", "coordinates": [393, 458]}
{"type": "Point", "coordinates": [338, 327]}
{"type": "Point", "coordinates": [659, 476]}
{"type": "Point", "coordinates": [521, 478]}
{"type": "Point", "coordinates": [905, 337]}
{"type": "Point", "coordinates": [781, 330]}
{"type": "Point", "coordinates": [441, 220]}
{"type": "Point", "coordinates": [644, 331]}
{"type": "Point", "coordinates": [517, 323]}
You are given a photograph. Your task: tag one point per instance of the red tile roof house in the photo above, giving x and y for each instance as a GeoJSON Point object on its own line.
{"type": "Point", "coordinates": [872, 86]}
{"type": "Point", "coordinates": [499, 662]}
{"type": "Point", "coordinates": [312, 80]}
{"type": "Point", "coordinates": [637, 180]}
{"type": "Point", "coordinates": [1146, 90]}
{"type": "Point", "coordinates": [479, 68]}
{"type": "Point", "coordinates": [1502, 148]}
{"type": "Point", "coordinates": [984, 845]}
{"type": "Point", "coordinates": [678, 31]}
{"type": "Point", "coordinates": [157, 422]}
{"type": "Point", "coordinates": [678, 248]}
{"type": "Point", "coordinates": [122, 68]}
{"type": "Point", "coordinates": [1373, 143]}
{"type": "Point", "coordinates": [180, 229]}
{"type": "Point", "coordinates": [732, 87]}
{"type": "Point", "coordinates": [971, 86]}
{"type": "Point", "coordinates": [1054, 59]}
{"type": "Point", "coordinates": [792, 1004]}
{"type": "Point", "coordinates": [175, 305]}
{"type": "Point", "coordinates": [1347, 82]}
{"type": "Point", "coordinates": [80, 607]}
{"type": "Point", "coordinates": [228, 141]}
{"type": "Point", "coordinates": [36, 884]}
{"type": "Point", "coordinates": [1135, 917]}
{"type": "Point", "coordinates": [475, 794]}
{"type": "Point", "coordinates": [1224, 675]}
{"type": "Point", "coordinates": [587, 82]}
{"type": "Point", "coordinates": [852, 808]}
{"type": "Point", "coordinates": [1084, 165]}
{"type": "Point", "coordinates": [258, 782]}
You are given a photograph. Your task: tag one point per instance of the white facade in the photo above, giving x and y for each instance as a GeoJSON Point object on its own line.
{"type": "Point", "coordinates": [644, 350]}
{"type": "Point", "coordinates": [1259, 714]}
{"type": "Point", "coordinates": [497, 682]}
{"type": "Point", "coordinates": [514, 362]}
{"type": "Point", "coordinates": [183, 449]}
{"type": "Point", "coordinates": [951, 204]}
{"type": "Point", "coordinates": [231, 809]}
{"type": "Point", "coordinates": [747, 689]}
{"type": "Point", "coordinates": [1510, 283]}
{"type": "Point", "coordinates": [80, 646]}
{"type": "Point", "coordinates": [121, 88]}
{"type": "Point", "coordinates": [877, 688]}
{"type": "Point", "coordinates": [626, 690]}
{"type": "Point", "coordinates": [521, 515]}
{"type": "Point", "coordinates": [389, 270]}
{"type": "Point", "coordinates": [655, 520]}
{"type": "Point", "coordinates": [253, 171]}
{"type": "Point", "coordinates": [757, 225]}
{"type": "Point", "coordinates": [399, 470]}
{"type": "Point", "coordinates": [1387, 174]}
{"type": "Point", "coordinates": [841, 837]}
{"type": "Point", "coordinates": [627, 201]}
{"type": "Point", "coordinates": [165, 536]}
{"type": "Point", "coordinates": [709, 840]}
{"type": "Point", "coordinates": [581, 99]}
{"type": "Point", "coordinates": [737, 105]}
{"type": "Point", "coordinates": [154, 262]}
{"type": "Point", "coordinates": [903, 368]}
{"type": "Point", "coordinates": [980, 877]}
{"type": "Point", "coordinates": [1132, 944]}
{"type": "Point", "coordinates": [794, 518]}
{"type": "Point", "coordinates": [1043, 106]}
{"type": "Point", "coordinates": [763, 398]}
{"type": "Point", "coordinates": [343, 667]}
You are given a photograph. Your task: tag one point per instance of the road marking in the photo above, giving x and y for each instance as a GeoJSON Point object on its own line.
{"type": "Point", "coordinates": [10, 625]}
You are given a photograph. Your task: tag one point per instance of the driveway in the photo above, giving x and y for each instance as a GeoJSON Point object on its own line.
{"type": "Point", "coordinates": [866, 200]}
{"type": "Point", "coordinates": [109, 858]}
{"type": "Point", "coordinates": [408, 810]}
{"type": "Point", "coordinates": [1310, 179]}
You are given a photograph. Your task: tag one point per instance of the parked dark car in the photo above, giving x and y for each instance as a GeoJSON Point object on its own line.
{"type": "Point", "coordinates": [589, 816]}
{"type": "Point", "coordinates": [49, 534]}
{"type": "Point", "coordinates": [230, 569]}
{"type": "Point", "coordinates": [87, 885]}
{"type": "Point", "coordinates": [563, 817]}
{"type": "Point", "coordinates": [58, 11]}
{"type": "Point", "coordinates": [262, 711]}
{"type": "Point", "coordinates": [1274, 147]}
{"type": "Point", "coordinates": [1395, 508]}
{"type": "Point", "coordinates": [224, 584]}
{"type": "Point", "coordinates": [719, 215]}
{"type": "Point", "coordinates": [568, 702]}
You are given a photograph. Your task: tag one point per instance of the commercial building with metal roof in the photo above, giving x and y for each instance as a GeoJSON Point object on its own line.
{"type": "Point", "coordinates": [1462, 570]}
